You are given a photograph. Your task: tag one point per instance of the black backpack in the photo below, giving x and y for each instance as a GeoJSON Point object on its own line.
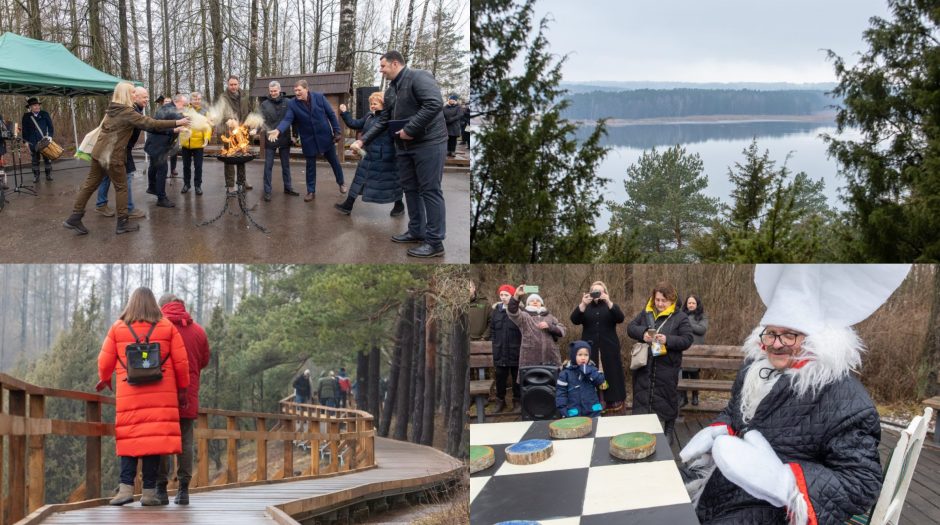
{"type": "Point", "coordinates": [144, 361]}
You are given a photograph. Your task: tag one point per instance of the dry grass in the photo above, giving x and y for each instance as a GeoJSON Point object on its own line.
{"type": "Point", "coordinates": [893, 369]}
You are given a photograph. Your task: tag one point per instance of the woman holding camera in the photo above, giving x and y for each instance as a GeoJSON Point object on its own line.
{"type": "Point", "coordinates": [667, 333]}
{"type": "Point", "coordinates": [599, 317]}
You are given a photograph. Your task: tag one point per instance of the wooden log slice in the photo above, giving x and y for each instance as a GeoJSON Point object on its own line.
{"type": "Point", "coordinates": [481, 458]}
{"type": "Point", "coordinates": [529, 452]}
{"type": "Point", "coordinates": [633, 445]}
{"type": "Point", "coordinates": [572, 427]}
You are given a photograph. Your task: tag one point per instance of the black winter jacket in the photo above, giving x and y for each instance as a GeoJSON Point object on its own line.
{"type": "Point", "coordinates": [505, 336]}
{"type": "Point", "coordinates": [273, 111]}
{"type": "Point", "coordinates": [833, 437]}
{"type": "Point", "coordinates": [414, 96]}
{"type": "Point", "coordinates": [302, 385]}
{"type": "Point", "coordinates": [30, 133]}
{"type": "Point", "coordinates": [129, 164]}
{"type": "Point", "coordinates": [655, 386]}
{"type": "Point", "coordinates": [161, 141]}
{"type": "Point", "coordinates": [452, 117]}
{"type": "Point", "coordinates": [576, 388]}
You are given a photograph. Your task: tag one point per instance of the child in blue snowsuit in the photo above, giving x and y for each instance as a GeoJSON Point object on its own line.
{"type": "Point", "coordinates": [576, 388]}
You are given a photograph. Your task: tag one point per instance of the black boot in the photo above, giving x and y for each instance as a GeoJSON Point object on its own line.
{"type": "Point", "coordinates": [669, 429]}
{"type": "Point", "coordinates": [161, 493]}
{"type": "Point", "coordinates": [124, 226]}
{"type": "Point", "coordinates": [74, 222]}
{"type": "Point", "coordinates": [397, 209]}
{"type": "Point", "coordinates": [182, 495]}
{"type": "Point", "coordinates": [346, 207]}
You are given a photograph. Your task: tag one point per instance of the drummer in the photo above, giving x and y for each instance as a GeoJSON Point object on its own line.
{"type": "Point", "coordinates": [37, 124]}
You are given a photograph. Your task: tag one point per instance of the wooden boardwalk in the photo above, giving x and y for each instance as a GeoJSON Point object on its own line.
{"type": "Point", "coordinates": [922, 506]}
{"type": "Point", "coordinates": [401, 467]}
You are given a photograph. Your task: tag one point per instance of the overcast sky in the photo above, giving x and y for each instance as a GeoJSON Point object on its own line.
{"type": "Point", "coordinates": [706, 41]}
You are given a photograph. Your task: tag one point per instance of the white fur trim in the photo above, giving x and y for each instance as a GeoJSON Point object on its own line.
{"type": "Point", "coordinates": [702, 468]}
{"type": "Point", "coordinates": [797, 509]}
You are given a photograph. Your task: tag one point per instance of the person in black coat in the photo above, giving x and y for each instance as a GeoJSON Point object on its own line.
{"type": "Point", "coordinates": [273, 109]}
{"type": "Point", "coordinates": [453, 116]}
{"type": "Point", "coordinates": [3, 151]}
{"type": "Point", "coordinates": [465, 125]}
{"type": "Point", "coordinates": [668, 333]}
{"type": "Point", "coordinates": [506, 340]}
{"type": "Point", "coordinates": [377, 175]}
{"type": "Point", "coordinates": [413, 103]}
{"type": "Point", "coordinates": [600, 316]}
{"type": "Point", "coordinates": [302, 388]}
{"type": "Point", "coordinates": [36, 125]}
{"type": "Point", "coordinates": [159, 144]}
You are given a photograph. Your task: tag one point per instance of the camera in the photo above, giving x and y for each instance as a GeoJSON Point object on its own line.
{"type": "Point", "coordinates": [596, 294]}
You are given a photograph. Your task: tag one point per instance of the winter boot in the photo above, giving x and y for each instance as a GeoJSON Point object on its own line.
{"type": "Point", "coordinates": [124, 226]}
{"type": "Point", "coordinates": [149, 498]}
{"type": "Point", "coordinates": [161, 493]}
{"type": "Point", "coordinates": [74, 222]}
{"type": "Point", "coordinates": [182, 495]}
{"type": "Point", "coordinates": [346, 207]}
{"type": "Point", "coordinates": [397, 209]}
{"type": "Point", "coordinates": [125, 495]}
{"type": "Point", "coordinates": [499, 407]}
{"type": "Point", "coordinates": [683, 399]}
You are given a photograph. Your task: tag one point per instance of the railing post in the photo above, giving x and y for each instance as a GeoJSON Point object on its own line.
{"type": "Point", "coordinates": [202, 449]}
{"type": "Point", "coordinates": [36, 488]}
{"type": "Point", "coordinates": [334, 446]}
{"type": "Point", "coordinates": [261, 446]}
{"type": "Point", "coordinates": [92, 453]}
{"type": "Point", "coordinates": [315, 448]}
{"type": "Point", "coordinates": [17, 453]}
{"type": "Point", "coordinates": [231, 472]}
{"type": "Point", "coordinates": [287, 469]}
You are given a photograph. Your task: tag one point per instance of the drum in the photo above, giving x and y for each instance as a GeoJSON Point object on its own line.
{"type": "Point", "coordinates": [48, 148]}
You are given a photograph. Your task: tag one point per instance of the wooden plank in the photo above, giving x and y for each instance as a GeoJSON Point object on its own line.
{"type": "Point", "coordinates": [261, 452]}
{"type": "Point", "coordinates": [17, 468]}
{"type": "Point", "coordinates": [202, 449]}
{"type": "Point", "coordinates": [714, 351]}
{"type": "Point", "coordinates": [287, 469]}
{"type": "Point", "coordinates": [36, 488]}
{"type": "Point", "coordinates": [481, 361]}
{"type": "Point", "coordinates": [711, 362]}
{"type": "Point", "coordinates": [481, 347]}
{"type": "Point", "coordinates": [480, 388]}
{"type": "Point", "coordinates": [334, 448]}
{"type": "Point", "coordinates": [706, 384]}
{"type": "Point", "coordinates": [231, 467]}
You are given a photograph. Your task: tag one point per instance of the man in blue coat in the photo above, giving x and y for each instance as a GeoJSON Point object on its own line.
{"type": "Point", "coordinates": [36, 125]}
{"type": "Point", "coordinates": [159, 144]}
{"type": "Point", "coordinates": [315, 122]}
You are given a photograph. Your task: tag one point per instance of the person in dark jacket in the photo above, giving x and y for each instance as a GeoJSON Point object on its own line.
{"type": "Point", "coordinates": [315, 122]}
{"type": "Point", "coordinates": [110, 154]}
{"type": "Point", "coordinates": [36, 125]}
{"type": "Point", "coordinates": [197, 348]}
{"type": "Point", "coordinates": [141, 97]}
{"type": "Point", "coordinates": [236, 108]}
{"type": "Point", "coordinates": [453, 116]}
{"type": "Point", "coordinates": [465, 125]}
{"type": "Point", "coordinates": [506, 340]}
{"type": "Point", "coordinates": [798, 442]}
{"type": "Point", "coordinates": [159, 146]}
{"type": "Point", "coordinates": [600, 316]}
{"type": "Point", "coordinates": [302, 387]}
{"type": "Point", "coordinates": [413, 103]}
{"type": "Point", "coordinates": [694, 308]}
{"type": "Point", "coordinates": [577, 384]}
{"type": "Point", "coordinates": [540, 330]}
{"type": "Point", "coordinates": [377, 175]}
{"type": "Point", "coordinates": [327, 389]}
{"type": "Point", "coordinates": [668, 333]}
{"type": "Point", "coordinates": [273, 109]}
{"type": "Point", "coordinates": [3, 151]}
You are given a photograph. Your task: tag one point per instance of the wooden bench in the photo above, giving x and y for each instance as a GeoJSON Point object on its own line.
{"type": "Point", "coordinates": [710, 357]}
{"type": "Point", "coordinates": [481, 358]}
{"type": "Point", "coordinates": [934, 403]}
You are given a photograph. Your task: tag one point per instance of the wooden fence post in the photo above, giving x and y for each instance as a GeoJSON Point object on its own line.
{"type": "Point", "coordinates": [231, 472]}
{"type": "Point", "coordinates": [17, 469]}
{"type": "Point", "coordinates": [92, 453]}
{"type": "Point", "coordinates": [36, 488]}
{"type": "Point", "coordinates": [202, 467]}
{"type": "Point", "coordinates": [261, 451]}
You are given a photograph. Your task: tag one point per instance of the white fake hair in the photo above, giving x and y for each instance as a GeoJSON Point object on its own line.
{"type": "Point", "coordinates": [832, 353]}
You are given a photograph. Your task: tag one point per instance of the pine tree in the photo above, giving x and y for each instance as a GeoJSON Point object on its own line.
{"type": "Point", "coordinates": [535, 192]}
{"type": "Point", "coordinates": [892, 96]}
{"type": "Point", "coordinates": [666, 206]}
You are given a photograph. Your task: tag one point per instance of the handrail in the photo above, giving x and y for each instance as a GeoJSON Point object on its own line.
{"type": "Point", "coordinates": [349, 435]}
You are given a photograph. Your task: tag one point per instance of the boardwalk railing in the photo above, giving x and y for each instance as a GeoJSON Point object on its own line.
{"type": "Point", "coordinates": [24, 427]}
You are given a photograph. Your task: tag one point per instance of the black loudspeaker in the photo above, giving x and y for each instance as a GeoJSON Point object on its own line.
{"type": "Point", "coordinates": [362, 100]}
{"type": "Point", "coordinates": [538, 392]}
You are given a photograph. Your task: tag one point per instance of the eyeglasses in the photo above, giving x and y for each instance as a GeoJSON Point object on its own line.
{"type": "Point", "coordinates": [786, 338]}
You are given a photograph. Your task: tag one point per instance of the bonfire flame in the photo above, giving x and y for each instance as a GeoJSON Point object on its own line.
{"type": "Point", "coordinates": [237, 142]}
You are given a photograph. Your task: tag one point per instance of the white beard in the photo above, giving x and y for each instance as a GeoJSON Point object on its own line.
{"type": "Point", "coordinates": [756, 388]}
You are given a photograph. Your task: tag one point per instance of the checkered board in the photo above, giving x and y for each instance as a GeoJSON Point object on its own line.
{"type": "Point", "coordinates": [581, 483]}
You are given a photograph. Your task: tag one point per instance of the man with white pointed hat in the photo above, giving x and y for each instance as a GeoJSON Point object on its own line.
{"type": "Point", "coordinates": [798, 442]}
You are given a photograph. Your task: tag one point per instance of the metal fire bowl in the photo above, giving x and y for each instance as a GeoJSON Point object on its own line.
{"type": "Point", "coordinates": [236, 160]}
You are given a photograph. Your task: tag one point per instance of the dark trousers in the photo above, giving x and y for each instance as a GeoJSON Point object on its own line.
{"type": "Point", "coordinates": [192, 157]}
{"type": "Point", "coordinates": [465, 137]}
{"type": "Point", "coordinates": [129, 470]}
{"type": "Point", "coordinates": [173, 163]}
{"type": "Point", "coordinates": [328, 401]}
{"type": "Point", "coordinates": [230, 175]}
{"type": "Point", "coordinates": [342, 399]}
{"type": "Point", "coordinates": [311, 171]}
{"type": "Point", "coordinates": [93, 180]}
{"type": "Point", "coordinates": [501, 375]}
{"type": "Point", "coordinates": [159, 178]}
{"type": "Point", "coordinates": [284, 154]}
{"type": "Point", "coordinates": [421, 171]}
{"type": "Point", "coordinates": [452, 144]}
{"type": "Point", "coordinates": [184, 467]}
{"type": "Point", "coordinates": [35, 160]}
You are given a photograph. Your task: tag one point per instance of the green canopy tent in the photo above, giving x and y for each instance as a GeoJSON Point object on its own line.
{"type": "Point", "coordinates": [35, 68]}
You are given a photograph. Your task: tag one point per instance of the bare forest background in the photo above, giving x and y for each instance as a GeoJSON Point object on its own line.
{"type": "Point", "coordinates": [903, 336]}
{"type": "Point", "coordinates": [400, 331]}
{"type": "Point", "coordinates": [194, 45]}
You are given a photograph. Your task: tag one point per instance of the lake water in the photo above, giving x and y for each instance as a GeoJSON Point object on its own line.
{"type": "Point", "coordinates": [720, 145]}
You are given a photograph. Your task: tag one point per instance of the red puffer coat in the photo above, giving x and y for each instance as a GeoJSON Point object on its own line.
{"type": "Point", "coordinates": [197, 350]}
{"type": "Point", "coordinates": [147, 419]}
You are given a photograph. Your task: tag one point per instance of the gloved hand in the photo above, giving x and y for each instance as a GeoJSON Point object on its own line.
{"type": "Point", "coordinates": [181, 397]}
{"type": "Point", "coordinates": [701, 442]}
{"type": "Point", "coordinates": [752, 464]}
{"type": "Point", "coordinates": [572, 412]}
{"type": "Point", "coordinates": [103, 383]}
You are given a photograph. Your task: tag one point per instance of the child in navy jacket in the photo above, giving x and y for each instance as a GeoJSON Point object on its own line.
{"type": "Point", "coordinates": [576, 388]}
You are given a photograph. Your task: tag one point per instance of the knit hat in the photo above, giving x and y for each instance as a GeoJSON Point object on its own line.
{"type": "Point", "coordinates": [533, 297]}
{"type": "Point", "coordinates": [507, 288]}
{"type": "Point", "coordinates": [812, 297]}
{"type": "Point", "coordinates": [573, 348]}
{"type": "Point", "coordinates": [453, 96]}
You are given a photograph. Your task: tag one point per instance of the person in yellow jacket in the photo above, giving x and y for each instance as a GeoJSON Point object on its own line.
{"type": "Point", "coordinates": [194, 142]}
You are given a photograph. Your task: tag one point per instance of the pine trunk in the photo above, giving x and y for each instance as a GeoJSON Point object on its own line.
{"type": "Point", "coordinates": [417, 415]}
{"type": "Point", "coordinates": [404, 396]}
{"type": "Point", "coordinates": [430, 362]}
{"type": "Point", "coordinates": [362, 374]}
{"type": "Point", "coordinates": [375, 377]}
{"type": "Point", "coordinates": [252, 49]}
{"type": "Point", "coordinates": [385, 421]}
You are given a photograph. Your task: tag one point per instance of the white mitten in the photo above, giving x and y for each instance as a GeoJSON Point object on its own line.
{"type": "Point", "coordinates": [701, 442]}
{"type": "Point", "coordinates": [752, 464]}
